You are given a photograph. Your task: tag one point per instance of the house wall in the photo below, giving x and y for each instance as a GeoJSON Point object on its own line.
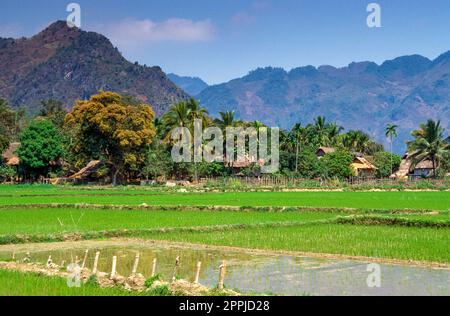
{"type": "Point", "coordinates": [421, 172]}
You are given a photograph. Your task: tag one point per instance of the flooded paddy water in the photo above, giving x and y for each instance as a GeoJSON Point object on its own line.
{"type": "Point", "coordinates": [246, 272]}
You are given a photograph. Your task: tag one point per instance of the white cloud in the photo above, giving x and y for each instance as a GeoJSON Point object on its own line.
{"type": "Point", "coordinates": [132, 32]}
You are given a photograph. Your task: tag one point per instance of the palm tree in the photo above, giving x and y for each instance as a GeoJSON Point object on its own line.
{"type": "Point", "coordinates": [177, 116]}
{"type": "Point", "coordinates": [391, 132]}
{"type": "Point", "coordinates": [227, 119]}
{"type": "Point", "coordinates": [356, 141]}
{"type": "Point", "coordinates": [257, 125]}
{"type": "Point", "coordinates": [196, 112]}
{"type": "Point", "coordinates": [429, 143]}
{"type": "Point", "coordinates": [321, 125]}
{"type": "Point", "coordinates": [334, 131]}
{"type": "Point", "coordinates": [297, 133]}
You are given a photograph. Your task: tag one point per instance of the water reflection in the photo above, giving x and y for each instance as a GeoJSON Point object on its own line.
{"type": "Point", "coordinates": [280, 275]}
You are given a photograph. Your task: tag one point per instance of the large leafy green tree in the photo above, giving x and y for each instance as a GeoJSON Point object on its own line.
{"type": "Point", "coordinates": [444, 167]}
{"type": "Point", "coordinates": [54, 111]}
{"type": "Point", "coordinates": [337, 165]}
{"type": "Point", "coordinates": [308, 164]}
{"type": "Point", "coordinates": [157, 163]}
{"type": "Point", "coordinates": [112, 128]}
{"type": "Point", "coordinates": [7, 122]}
{"type": "Point", "coordinates": [386, 163]}
{"type": "Point", "coordinates": [6, 172]}
{"type": "Point", "coordinates": [429, 142]}
{"type": "Point", "coordinates": [11, 122]}
{"type": "Point", "coordinates": [40, 148]}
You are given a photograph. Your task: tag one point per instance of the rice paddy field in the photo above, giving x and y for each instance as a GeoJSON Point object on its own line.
{"type": "Point", "coordinates": [408, 226]}
{"type": "Point", "coordinates": [439, 200]}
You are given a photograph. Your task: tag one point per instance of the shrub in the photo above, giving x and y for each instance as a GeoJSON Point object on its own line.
{"type": "Point", "coordinates": [149, 282]}
{"type": "Point", "coordinates": [308, 164]}
{"type": "Point", "coordinates": [336, 165]}
{"type": "Point", "coordinates": [40, 147]}
{"type": "Point", "coordinates": [161, 290]}
{"type": "Point", "coordinates": [6, 172]}
{"type": "Point", "coordinates": [386, 163]}
{"type": "Point", "coordinates": [92, 281]}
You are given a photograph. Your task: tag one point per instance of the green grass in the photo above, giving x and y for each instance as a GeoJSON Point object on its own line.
{"type": "Point", "coordinates": [363, 200]}
{"type": "Point", "coordinates": [408, 243]}
{"type": "Point", "coordinates": [47, 221]}
{"type": "Point", "coordinates": [14, 283]}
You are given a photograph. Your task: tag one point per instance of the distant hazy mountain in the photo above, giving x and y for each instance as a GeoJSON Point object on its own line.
{"type": "Point", "coordinates": [405, 91]}
{"type": "Point", "coordinates": [192, 85]}
{"type": "Point", "coordinates": [67, 64]}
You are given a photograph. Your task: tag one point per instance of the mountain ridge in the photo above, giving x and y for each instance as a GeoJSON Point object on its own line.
{"type": "Point", "coordinates": [363, 95]}
{"type": "Point", "coordinates": [68, 64]}
{"type": "Point", "coordinates": [192, 85]}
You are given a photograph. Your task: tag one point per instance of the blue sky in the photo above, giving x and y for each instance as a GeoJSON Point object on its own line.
{"type": "Point", "coordinates": [219, 40]}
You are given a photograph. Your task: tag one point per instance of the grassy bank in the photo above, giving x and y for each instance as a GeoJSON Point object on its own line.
{"type": "Point", "coordinates": [14, 283]}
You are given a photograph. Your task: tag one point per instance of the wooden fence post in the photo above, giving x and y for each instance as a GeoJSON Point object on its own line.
{"type": "Point", "coordinates": [85, 259]}
{"type": "Point", "coordinates": [197, 274]}
{"type": "Point", "coordinates": [222, 271]}
{"type": "Point", "coordinates": [113, 269]}
{"type": "Point", "coordinates": [94, 269]}
{"type": "Point", "coordinates": [135, 266]}
{"type": "Point", "coordinates": [154, 268]}
{"type": "Point", "coordinates": [175, 270]}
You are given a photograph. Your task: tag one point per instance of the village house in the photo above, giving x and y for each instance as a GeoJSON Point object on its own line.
{"type": "Point", "coordinates": [408, 169]}
{"type": "Point", "coordinates": [362, 167]}
{"type": "Point", "coordinates": [322, 151]}
{"type": "Point", "coordinates": [95, 172]}
{"type": "Point", "coordinates": [11, 159]}
{"type": "Point", "coordinates": [239, 165]}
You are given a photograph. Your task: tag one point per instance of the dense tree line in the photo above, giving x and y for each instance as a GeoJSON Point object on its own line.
{"type": "Point", "coordinates": [125, 135]}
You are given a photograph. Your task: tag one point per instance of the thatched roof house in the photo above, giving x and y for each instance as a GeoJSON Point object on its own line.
{"type": "Point", "coordinates": [9, 156]}
{"type": "Point", "coordinates": [422, 169]}
{"type": "Point", "coordinates": [244, 162]}
{"type": "Point", "coordinates": [322, 151]}
{"type": "Point", "coordinates": [362, 167]}
{"type": "Point", "coordinates": [407, 169]}
{"type": "Point", "coordinates": [90, 172]}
